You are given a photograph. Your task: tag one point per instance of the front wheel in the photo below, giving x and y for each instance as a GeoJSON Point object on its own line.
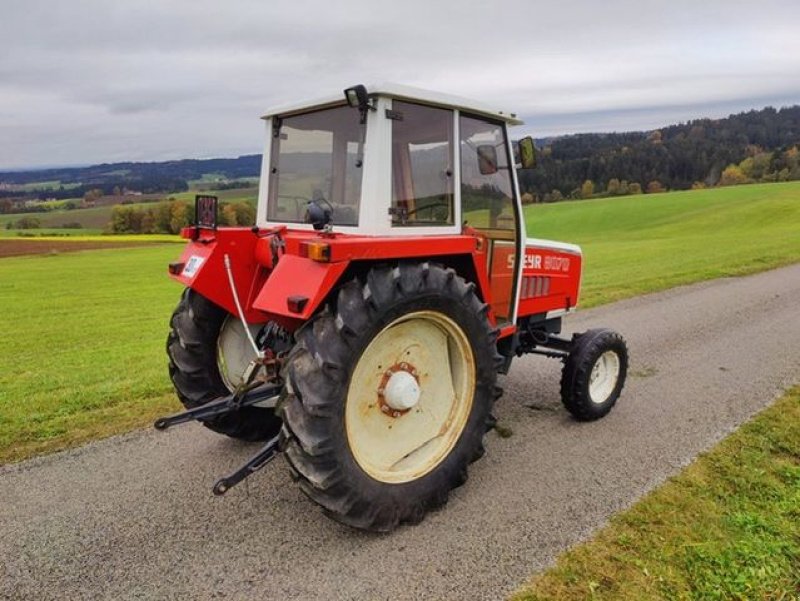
{"type": "Point", "coordinates": [388, 395]}
{"type": "Point", "coordinates": [594, 374]}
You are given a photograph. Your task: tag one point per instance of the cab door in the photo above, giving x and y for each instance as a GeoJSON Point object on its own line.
{"type": "Point", "coordinates": [489, 206]}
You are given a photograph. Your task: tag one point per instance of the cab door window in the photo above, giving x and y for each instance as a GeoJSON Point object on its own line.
{"type": "Point", "coordinates": [422, 165]}
{"type": "Point", "coordinates": [487, 203]}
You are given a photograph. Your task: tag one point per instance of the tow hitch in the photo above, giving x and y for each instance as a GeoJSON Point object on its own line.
{"type": "Point", "coordinates": [255, 463]}
{"type": "Point", "coordinates": [223, 406]}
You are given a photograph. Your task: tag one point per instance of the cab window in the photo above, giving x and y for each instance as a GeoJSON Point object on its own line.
{"type": "Point", "coordinates": [422, 165]}
{"type": "Point", "coordinates": [486, 188]}
{"type": "Point", "coordinates": [316, 156]}
{"type": "Point", "coordinates": [487, 203]}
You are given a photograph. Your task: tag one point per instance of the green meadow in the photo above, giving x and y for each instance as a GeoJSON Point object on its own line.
{"type": "Point", "coordinates": [638, 244]}
{"type": "Point", "coordinates": [84, 332]}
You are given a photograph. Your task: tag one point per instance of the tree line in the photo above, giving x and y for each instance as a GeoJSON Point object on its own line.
{"type": "Point", "coordinates": [696, 154]}
{"type": "Point", "coordinates": [169, 217]}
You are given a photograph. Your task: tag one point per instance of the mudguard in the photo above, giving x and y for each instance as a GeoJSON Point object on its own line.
{"type": "Point", "coordinates": [202, 268]}
{"type": "Point", "coordinates": [297, 286]}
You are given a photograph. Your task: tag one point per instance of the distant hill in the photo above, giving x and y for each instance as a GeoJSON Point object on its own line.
{"type": "Point", "coordinates": [676, 157]}
{"type": "Point", "coordinates": [167, 176]}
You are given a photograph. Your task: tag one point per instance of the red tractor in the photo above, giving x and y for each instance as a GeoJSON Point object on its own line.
{"type": "Point", "coordinates": [361, 325]}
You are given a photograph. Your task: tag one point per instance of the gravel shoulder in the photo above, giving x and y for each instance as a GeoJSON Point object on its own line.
{"type": "Point", "coordinates": [133, 517]}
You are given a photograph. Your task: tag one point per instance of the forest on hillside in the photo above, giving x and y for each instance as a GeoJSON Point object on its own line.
{"type": "Point", "coordinates": [759, 145]}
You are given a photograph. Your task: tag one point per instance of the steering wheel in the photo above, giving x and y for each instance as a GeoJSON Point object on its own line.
{"type": "Point", "coordinates": [299, 204]}
{"type": "Point", "coordinates": [432, 205]}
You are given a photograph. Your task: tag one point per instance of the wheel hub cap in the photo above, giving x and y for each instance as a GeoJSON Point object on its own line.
{"type": "Point", "coordinates": [401, 391]}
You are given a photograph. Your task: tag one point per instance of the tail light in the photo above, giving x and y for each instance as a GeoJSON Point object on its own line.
{"type": "Point", "coordinates": [316, 251]}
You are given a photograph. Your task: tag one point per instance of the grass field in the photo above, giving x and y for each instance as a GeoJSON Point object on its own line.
{"type": "Point", "coordinates": [235, 195]}
{"type": "Point", "coordinates": [55, 232]}
{"type": "Point", "coordinates": [83, 236]}
{"type": "Point", "coordinates": [637, 244]}
{"type": "Point", "coordinates": [84, 352]}
{"type": "Point", "coordinates": [726, 527]}
{"type": "Point", "coordinates": [94, 219]}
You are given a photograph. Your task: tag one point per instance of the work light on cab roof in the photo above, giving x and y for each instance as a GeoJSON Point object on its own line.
{"type": "Point", "coordinates": [360, 327]}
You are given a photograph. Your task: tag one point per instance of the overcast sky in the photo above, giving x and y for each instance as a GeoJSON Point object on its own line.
{"type": "Point", "coordinates": [101, 81]}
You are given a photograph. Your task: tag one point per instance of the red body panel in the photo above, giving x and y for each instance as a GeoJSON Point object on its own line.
{"type": "Point", "coordinates": [204, 269]}
{"type": "Point", "coordinates": [551, 280]}
{"type": "Point", "coordinates": [268, 275]}
{"type": "Point", "coordinates": [296, 276]}
{"type": "Point", "coordinates": [502, 276]}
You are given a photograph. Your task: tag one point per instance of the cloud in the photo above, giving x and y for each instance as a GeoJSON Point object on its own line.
{"type": "Point", "coordinates": [98, 81]}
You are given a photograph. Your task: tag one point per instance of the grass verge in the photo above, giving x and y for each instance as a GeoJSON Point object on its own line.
{"type": "Point", "coordinates": [726, 527]}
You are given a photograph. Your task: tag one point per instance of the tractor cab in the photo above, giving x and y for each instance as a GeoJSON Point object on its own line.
{"type": "Point", "coordinates": [394, 161]}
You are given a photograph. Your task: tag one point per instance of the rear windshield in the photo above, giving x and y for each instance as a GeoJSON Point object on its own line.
{"type": "Point", "coordinates": [316, 156]}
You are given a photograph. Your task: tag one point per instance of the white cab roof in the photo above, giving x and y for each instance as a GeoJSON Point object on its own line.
{"type": "Point", "coordinates": [403, 93]}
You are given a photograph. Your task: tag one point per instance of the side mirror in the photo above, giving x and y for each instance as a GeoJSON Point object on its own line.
{"type": "Point", "coordinates": [527, 153]}
{"type": "Point", "coordinates": [487, 159]}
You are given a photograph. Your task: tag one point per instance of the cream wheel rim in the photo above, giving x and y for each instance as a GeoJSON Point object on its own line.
{"type": "Point", "coordinates": [234, 352]}
{"type": "Point", "coordinates": [604, 377]}
{"type": "Point", "coordinates": [410, 397]}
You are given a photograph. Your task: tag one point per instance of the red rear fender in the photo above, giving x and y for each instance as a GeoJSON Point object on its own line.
{"type": "Point", "coordinates": [203, 268]}
{"type": "Point", "coordinates": [297, 286]}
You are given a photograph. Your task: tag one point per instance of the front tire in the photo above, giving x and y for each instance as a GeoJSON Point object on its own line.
{"type": "Point", "coordinates": [192, 347]}
{"type": "Point", "coordinates": [388, 395]}
{"type": "Point", "coordinates": [594, 374]}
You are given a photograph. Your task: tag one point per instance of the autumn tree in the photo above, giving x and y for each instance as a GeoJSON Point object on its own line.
{"type": "Point", "coordinates": [587, 189]}
{"type": "Point", "coordinates": [90, 196]}
{"type": "Point", "coordinates": [148, 222]}
{"type": "Point", "coordinates": [245, 213]}
{"type": "Point", "coordinates": [732, 176]}
{"type": "Point", "coordinates": [126, 220]}
{"type": "Point", "coordinates": [654, 187]}
{"type": "Point", "coordinates": [27, 223]}
{"type": "Point", "coordinates": [180, 216]}
{"type": "Point", "coordinates": [162, 216]}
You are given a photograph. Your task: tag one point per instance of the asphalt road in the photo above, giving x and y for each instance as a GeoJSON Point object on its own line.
{"type": "Point", "coordinates": [133, 517]}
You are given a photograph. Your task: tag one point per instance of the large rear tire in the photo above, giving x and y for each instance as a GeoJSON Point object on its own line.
{"type": "Point", "coordinates": [192, 346]}
{"type": "Point", "coordinates": [388, 395]}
